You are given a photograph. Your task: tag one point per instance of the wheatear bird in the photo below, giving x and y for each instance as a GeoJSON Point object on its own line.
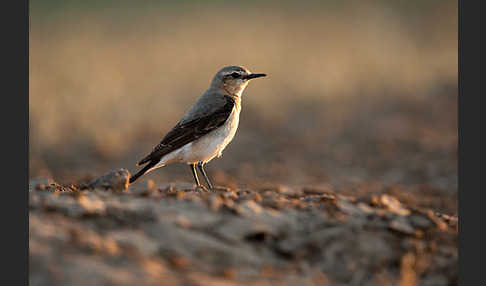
{"type": "Point", "coordinates": [206, 129]}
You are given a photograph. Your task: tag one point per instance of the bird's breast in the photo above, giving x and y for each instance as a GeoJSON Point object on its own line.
{"type": "Point", "coordinates": [224, 134]}
{"type": "Point", "coordinates": [212, 144]}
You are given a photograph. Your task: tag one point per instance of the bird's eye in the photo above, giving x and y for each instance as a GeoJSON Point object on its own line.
{"type": "Point", "coordinates": [235, 75]}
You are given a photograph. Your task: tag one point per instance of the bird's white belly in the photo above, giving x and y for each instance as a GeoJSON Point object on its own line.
{"type": "Point", "coordinates": [208, 146]}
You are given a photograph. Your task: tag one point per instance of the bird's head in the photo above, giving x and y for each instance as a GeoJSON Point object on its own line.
{"type": "Point", "coordinates": [234, 79]}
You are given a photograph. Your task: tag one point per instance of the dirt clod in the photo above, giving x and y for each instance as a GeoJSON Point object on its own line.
{"type": "Point", "coordinates": [116, 180]}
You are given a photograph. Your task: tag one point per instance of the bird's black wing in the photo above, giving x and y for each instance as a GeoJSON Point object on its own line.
{"type": "Point", "coordinates": [188, 131]}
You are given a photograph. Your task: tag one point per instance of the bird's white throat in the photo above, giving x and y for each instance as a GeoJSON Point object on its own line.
{"type": "Point", "coordinates": [235, 90]}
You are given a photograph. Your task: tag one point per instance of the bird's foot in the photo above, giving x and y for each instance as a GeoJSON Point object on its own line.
{"type": "Point", "coordinates": [202, 188]}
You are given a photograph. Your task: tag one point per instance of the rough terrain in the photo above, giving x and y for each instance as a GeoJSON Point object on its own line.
{"type": "Point", "coordinates": [103, 233]}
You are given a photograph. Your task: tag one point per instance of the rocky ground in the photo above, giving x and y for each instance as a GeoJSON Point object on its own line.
{"type": "Point", "coordinates": [108, 233]}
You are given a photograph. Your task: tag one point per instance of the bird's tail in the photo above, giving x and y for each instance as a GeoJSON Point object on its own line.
{"type": "Point", "coordinates": [143, 171]}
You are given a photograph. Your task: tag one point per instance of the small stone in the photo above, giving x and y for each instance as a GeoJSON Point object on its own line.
{"type": "Point", "coordinates": [249, 208]}
{"type": "Point", "coordinates": [365, 208]}
{"type": "Point", "coordinates": [117, 180]}
{"type": "Point", "coordinates": [348, 208]}
{"type": "Point", "coordinates": [401, 224]}
{"type": "Point", "coordinates": [394, 205]}
{"type": "Point", "coordinates": [438, 222]}
{"type": "Point", "coordinates": [420, 221]}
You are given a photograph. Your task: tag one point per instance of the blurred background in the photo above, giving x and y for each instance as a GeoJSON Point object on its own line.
{"type": "Point", "coordinates": [358, 93]}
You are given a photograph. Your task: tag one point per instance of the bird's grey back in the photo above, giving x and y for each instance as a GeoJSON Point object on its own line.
{"type": "Point", "coordinates": [210, 101]}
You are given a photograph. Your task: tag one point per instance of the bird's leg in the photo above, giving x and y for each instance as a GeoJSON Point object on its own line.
{"type": "Point", "coordinates": [201, 168]}
{"type": "Point", "coordinates": [194, 172]}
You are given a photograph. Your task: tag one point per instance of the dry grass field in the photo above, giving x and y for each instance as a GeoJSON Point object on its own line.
{"type": "Point", "coordinates": [360, 97]}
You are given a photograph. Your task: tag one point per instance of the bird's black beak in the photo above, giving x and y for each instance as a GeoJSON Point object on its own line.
{"type": "Point", "coordinates": [254, 75]}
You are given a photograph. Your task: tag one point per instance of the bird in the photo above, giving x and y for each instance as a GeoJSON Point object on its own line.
{"type": "Point", "coordinates": [206, 128]}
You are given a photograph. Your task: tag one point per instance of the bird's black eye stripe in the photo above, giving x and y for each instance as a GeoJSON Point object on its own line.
{"type": "Point", "coordinates": [235, 75]}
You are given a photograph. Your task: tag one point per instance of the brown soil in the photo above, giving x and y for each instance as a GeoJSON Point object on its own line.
{"type": "Point", "coordinates": [94, 234]}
